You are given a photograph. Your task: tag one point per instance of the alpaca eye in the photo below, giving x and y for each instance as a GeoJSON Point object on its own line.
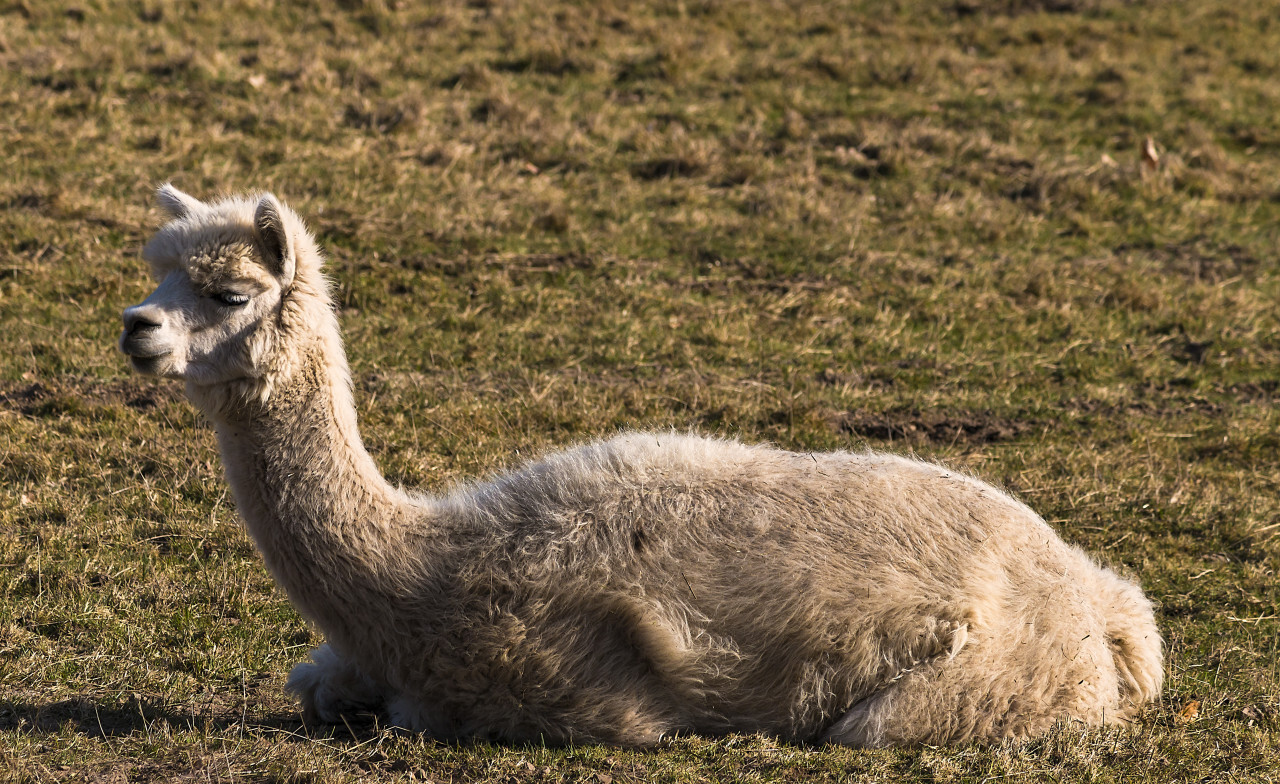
{"type": "Point", "coordinates": [231, 299]}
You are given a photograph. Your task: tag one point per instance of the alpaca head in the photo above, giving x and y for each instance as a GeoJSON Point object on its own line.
{"type": "Point", "coordinates": [241, 293]}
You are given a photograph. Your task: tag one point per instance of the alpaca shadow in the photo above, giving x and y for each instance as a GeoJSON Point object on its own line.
{"type": "Point", "coordinates": [109, 719]}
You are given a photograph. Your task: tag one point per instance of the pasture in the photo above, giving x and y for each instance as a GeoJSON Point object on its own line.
{"type": "Point", "coordinates": [925, 227]}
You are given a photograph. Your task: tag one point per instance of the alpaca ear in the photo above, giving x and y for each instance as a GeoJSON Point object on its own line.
{"type": "Point", "coordinates": [177, 203]}
{"type": "Point", "coordinates": [272, 230]}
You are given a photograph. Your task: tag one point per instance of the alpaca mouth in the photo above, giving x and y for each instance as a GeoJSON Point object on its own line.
{"type": "Point", "coordinates": [145, 363]}
{"type": "Point", "coordinates": [138, 352]}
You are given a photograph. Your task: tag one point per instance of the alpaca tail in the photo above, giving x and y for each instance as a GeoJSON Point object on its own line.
{"type": "Point", "coordinates": [1134, 639]}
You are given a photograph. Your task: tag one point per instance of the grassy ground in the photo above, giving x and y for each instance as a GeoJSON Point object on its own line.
{"type": "Point", "coordinates": [920, 226]}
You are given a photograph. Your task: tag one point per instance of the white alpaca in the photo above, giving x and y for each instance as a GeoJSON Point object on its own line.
{"type": "Point", "coordinates": [630, 588]}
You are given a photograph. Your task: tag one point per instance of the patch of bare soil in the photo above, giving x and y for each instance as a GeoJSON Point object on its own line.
{"type": "Point", "coordinates": [1171, 397]}
{"type": "Point", "coordinates": [1198, 260]}
{"type": "Point", "coordinates": [939, 427]}
{"type": "Point", "coordinates": [965, 8]}
{"type": "Point", "coordinates": [72, 394]}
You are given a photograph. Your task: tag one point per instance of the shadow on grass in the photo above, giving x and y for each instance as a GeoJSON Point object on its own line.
{"type": "Point", "coordinates": [107, 718]}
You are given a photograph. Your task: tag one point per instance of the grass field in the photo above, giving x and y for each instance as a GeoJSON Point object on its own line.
{"type": "Point", "coordinates": [917, 226]}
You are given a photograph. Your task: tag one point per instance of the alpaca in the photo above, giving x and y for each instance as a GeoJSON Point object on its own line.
{"type": "Point", "coordinates": [628, 589]}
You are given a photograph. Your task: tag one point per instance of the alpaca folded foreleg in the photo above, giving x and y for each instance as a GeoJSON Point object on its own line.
{"type": "Point", "coordinates": [331, 687]}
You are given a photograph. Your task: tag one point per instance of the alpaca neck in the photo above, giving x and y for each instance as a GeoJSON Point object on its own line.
{"type": "Point", "coordinates": [325, 520]}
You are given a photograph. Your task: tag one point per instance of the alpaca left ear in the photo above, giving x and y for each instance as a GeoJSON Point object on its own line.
{"type": "Point", "coordinates": [176, 203]}
{"type": "Point", "coordinates": [274, 234]}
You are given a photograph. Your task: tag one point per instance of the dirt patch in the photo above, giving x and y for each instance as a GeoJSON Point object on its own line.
{"type": "Point", "coordinates": [510, 263]}
{"type": "Point", "coordinates": [966, 8]}
{"type": "Point", "coordinates": [668, 167]}
{"type": "Point", "coordinates": [1256, 391]}
{"type": "Point", "coordinates": [72, 395]}
{"type": "Point", "coordinates": [939, 427]}
{"type": "Point", "coordinates": [1168, 398]}
{"type": "Point", "coordinates": [1198, 260]}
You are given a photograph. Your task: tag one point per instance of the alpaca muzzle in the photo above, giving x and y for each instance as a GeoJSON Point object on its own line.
{"type": "Point", "coordinates": [142, 326]}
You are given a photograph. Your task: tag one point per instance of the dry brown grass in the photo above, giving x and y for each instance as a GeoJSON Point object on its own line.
{"type": "Point", "coordinates": [924, 227]}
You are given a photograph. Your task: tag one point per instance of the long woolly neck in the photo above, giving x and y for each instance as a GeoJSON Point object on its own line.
{"type": "Point", "coordinates": [328, 525]}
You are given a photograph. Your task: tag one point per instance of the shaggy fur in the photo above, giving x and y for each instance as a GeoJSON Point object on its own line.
{"type": "Point", "coordinates": [631, 588]}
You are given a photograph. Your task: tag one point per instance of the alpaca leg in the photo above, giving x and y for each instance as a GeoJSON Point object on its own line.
{"type": "Point", "coordinates": [989, 691]}
{"type": "Point", "coordinates": [926, 705]}
{"type": "Point", "coordinates": [330, 686]}
{"type": "Point", "coordinates": [864, 725]}
{"type": "Point", "coordinates": [412, 714]}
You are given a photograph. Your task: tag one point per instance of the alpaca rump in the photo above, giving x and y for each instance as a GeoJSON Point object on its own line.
{"type": "Point", "coordinates": [631, 588]}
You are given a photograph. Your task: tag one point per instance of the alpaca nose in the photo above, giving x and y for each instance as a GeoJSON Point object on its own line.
{"type": "Point", "coordinates": [140, 319]}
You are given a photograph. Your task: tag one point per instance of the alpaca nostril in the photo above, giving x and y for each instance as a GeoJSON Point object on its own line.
{"type": "Point", "coordinates": [137, 322]}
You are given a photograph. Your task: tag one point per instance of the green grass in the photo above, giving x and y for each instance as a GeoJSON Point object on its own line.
{"type": "Point", "coordinates": [918, 226]}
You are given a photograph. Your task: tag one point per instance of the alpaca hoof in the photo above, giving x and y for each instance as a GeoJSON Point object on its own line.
{"type": "Point", "coordinates": [406, 713]}
{"type": "Point", "coordinates": [330, 688]}
{"type": "Point", "coordinates": [319, 704]}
